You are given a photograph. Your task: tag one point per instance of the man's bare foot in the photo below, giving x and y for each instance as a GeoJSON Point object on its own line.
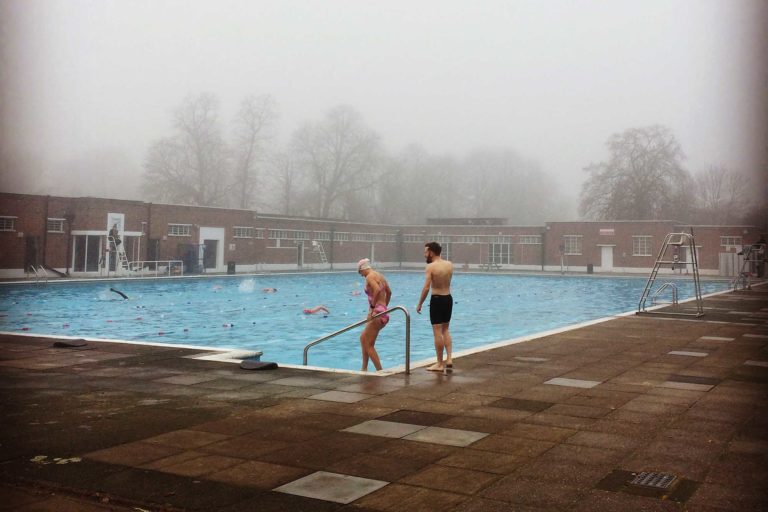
{"type": "Point", "coordinates": [437, 367]}
{"type": "Point", "coordinates": [448, 367]}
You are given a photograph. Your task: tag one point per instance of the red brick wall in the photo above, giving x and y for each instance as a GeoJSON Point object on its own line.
{"type": "Point", "coordinates": [91, 214]}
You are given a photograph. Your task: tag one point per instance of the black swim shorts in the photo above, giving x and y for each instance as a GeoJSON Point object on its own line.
{"type": "Point", "coordinates": [440, 309]}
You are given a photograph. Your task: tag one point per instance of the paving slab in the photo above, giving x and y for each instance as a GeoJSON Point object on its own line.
{"type": "Point", "coordinates": [334, 487]}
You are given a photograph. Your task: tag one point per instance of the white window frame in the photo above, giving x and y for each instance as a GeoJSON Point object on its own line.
{"type": "Point", "coordinates": [341, 236]}
{"type": "Point", "coordinates": [569, 241]}
{"type": "Point", "coordinates": [55, 223]}
{"type": "Point", "coordinates": [322, 236]}
{"type": "Point", "coordinates": [179, 229]}
{"type": "Point", "coordinates": [737, 241]}
{"type": "Point", "coordinates": [529, 239]}
{"type": "Point", "coordinates": [7, 223]}
{"type": "Point", "coordinates": [243, 232]}
{"type": "Point", "coordinates": [288, 234]}
{"type": "Point", "coordinates": [413, 238]}
{"type": "Point", "coordinates": [642, 245]}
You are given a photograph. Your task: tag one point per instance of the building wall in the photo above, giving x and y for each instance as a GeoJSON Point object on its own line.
{"type": "Point", "coordinates": [469, 245]}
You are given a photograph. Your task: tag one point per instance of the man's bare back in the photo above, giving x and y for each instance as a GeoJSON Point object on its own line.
{"type": "Point", "coordinates": [441, 273]}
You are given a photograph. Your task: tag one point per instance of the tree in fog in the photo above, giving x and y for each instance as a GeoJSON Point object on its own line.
{"type": "Point", "coordinates": [191, 167]}
{"type": "Point", "coordinates": [643, 178]}
{"type": "Point", "coordinates": [723, 196]}
{"type": "Point", "coordinates": [416, 186]}
{"type": "Point", "coordinates": [285, 184]}
{"type": "Point", "coordinates": [339, 155]}
{"type": "Point", "coordinates": [253, 129]}
{"type": "Point", "coordinates": [501, 183]}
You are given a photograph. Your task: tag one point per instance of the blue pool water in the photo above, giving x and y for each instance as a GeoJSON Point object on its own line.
{"type": "Point", "coordinates": [234, 312]}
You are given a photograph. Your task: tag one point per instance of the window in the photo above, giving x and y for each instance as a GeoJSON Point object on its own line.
{"type": "Point", "coordinates": [572, 245]}
{"type": "Point", "coordinates": [529, 239]}
{"type": "Point", "coordinates": [411, 238]}
{"type": "Point", "coordinates": [729, 241]}
{"type": "Point", "coordinates": [179, 229]}
{"type": "Point", "coordinates": [441, 239]}
{"type": "Point", "coordinates": [243, 232]}
{"type": "Point", "coordinates": [641, 245]}
{"type": "Point", "coordinates": [323, 236]}
{"type": "Point", "coordinates": [501, 254]}
{"type": "Point", "coordinates": [341, 237]}
{"type": "Point", "coordinates": [288, 234]}
{"type": "Point", "coordinates": [373, 237]}
{"type": "Point", "coordinates": [501, 239]}
{"type": "Point", "coordinates": [55, 225]}
{"type": "Point", "coordinates": [7, 223]}
{"type": "Point", "coordinates": [467, 239]}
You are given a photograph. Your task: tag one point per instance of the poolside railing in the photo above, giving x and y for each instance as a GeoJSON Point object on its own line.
{"type": "Point", "coordinates": [361, 322]}
{"type": "Point", "coordinates": [170, 267]}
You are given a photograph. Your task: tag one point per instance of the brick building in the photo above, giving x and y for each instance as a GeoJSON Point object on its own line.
{"type": "Point", "coordinates": [70, 235]}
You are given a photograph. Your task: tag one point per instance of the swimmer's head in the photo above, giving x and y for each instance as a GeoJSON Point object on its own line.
{"type": "Point", "coordinates": [363, 264]}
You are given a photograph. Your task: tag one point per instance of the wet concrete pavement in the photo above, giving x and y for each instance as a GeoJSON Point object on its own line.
{"type": "Point", "coordinates": [564, 422]}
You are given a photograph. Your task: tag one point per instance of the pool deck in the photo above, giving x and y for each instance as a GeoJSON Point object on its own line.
{"type": "Point", "coordinates": [563, 422]}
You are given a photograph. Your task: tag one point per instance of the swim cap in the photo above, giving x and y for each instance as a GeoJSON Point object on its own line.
{"type": "Point", "coordinates": [363, 264]}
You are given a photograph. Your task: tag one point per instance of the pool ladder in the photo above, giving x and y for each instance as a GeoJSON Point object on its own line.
{"type": "Point", "coordinates": [676, 241]}
{"type": "Point", "coordinates": [40, 273]}
{"type": "Point", "coordinates": [361, 322]}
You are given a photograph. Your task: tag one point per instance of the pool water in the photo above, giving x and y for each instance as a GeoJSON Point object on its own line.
{"type": "Point", "coordinates": [235, 312]}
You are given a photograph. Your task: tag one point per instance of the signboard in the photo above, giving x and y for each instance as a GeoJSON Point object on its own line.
{"type": "Point", "coordinates": [607, 232]}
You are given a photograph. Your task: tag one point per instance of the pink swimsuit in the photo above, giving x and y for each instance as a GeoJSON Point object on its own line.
{"type": "Point", "coordinates": [378, 308]}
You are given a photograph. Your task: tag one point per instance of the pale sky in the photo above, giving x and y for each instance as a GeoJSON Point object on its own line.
{"type": "Point", "coordinates": [550, 79]}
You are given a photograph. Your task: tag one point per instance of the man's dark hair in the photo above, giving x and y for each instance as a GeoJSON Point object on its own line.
{"type": "Point", "coordinates": [434, 247]}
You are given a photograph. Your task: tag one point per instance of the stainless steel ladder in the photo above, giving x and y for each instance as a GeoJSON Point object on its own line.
{"type": "Point", "coordinates": [40, 273]}
{"type": "Point", "coordinates": [753, 253]}
{"type": "Point", "coordinates": [361, 322]}
{"type": "Point", "coordinates": [317, 246]}
{"type": "Point", "coordinates": [678, 241]}
{"type": "Point", "coordinates": [122, 260]}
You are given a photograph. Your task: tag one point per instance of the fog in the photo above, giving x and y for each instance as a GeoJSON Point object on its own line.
{"type": "Point", "coordinates": [89, 86]}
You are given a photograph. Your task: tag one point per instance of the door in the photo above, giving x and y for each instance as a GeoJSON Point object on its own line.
{"type": "Point", "coordinates": [212, 247]}
{"type": "Point", "coordinates": [606, 258]}
{"type": "Point", "coordinates": [209, 254]}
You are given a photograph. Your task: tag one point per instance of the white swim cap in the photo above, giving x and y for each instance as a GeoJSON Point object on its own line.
{"type": "Point", "coordinates": [363, 264]}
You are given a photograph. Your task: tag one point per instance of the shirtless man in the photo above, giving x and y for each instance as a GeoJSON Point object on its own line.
{"type": "Point", "coordinates": [378, 292]}
{"type": "Point", "coordinates": [439, 274]}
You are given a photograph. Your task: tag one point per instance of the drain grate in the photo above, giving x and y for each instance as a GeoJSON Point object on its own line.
{"type": "Point", "coordinates": [653, 480]}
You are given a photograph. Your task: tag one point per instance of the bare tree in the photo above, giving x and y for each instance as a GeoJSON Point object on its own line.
{"type": "Point", "coordinates": [192, 166]}
{"type": "Point", "coordinates": [253, 128]}
{"type": "Point", "coordinates": [642, 179]}
{"type": "Point", "coordinates": [339, 155]}
{"type": "Point", "coordinates": [724, 196]}
{"type": "Point", "coordinates": [501, 183]}
{"type": "Point", "coordinates": [286, 184]}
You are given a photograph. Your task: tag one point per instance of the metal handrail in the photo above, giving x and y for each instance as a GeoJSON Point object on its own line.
{"type": "Point", "coordinates": [663, 287]}
{"type": "Point", "coordinates": [45, 274]}
{"type": "Point", "coordinates": [361, 322]}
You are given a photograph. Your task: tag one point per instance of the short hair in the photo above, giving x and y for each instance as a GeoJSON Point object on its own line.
{"type": "Point", "coordinates": [434, 247]}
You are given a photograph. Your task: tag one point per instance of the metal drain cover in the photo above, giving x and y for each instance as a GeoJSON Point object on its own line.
{"type": "Point", "coordinates": [653, 480]}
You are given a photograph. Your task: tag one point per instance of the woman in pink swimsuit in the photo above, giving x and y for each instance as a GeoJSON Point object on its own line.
{"type": "Point", "coordinates": [378, 292]}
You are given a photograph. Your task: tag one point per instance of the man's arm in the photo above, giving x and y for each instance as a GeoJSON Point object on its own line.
{"type": "Point", "coordinates": [425, 290]}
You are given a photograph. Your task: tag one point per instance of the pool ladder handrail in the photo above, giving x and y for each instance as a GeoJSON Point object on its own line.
{"type": "Point", "coordinates": [40, 273]}
{"type": "Point", "coordinates": [361, 322]}
{"type": "Point", "coordinates": [663, 287]}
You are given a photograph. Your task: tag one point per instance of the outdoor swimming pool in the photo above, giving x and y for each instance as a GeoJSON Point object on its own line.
{"type": "Point", "coordinates": [234, 312]}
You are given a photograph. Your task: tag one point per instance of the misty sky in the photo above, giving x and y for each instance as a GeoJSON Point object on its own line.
{"type": "Point", "coordinates": [550, 79]}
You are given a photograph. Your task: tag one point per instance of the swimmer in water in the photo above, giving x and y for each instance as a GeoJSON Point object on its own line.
{"type": "Point", "coordinates": [317, 309]}
{"type": "Point", "coordinates": [269, 290]}
{"type": "Point", "coordinates": [378, 292]}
